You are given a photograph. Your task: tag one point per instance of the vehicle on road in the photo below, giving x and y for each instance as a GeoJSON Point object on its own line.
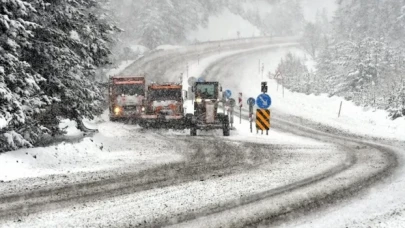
{"type": "Point", "coordinates": [164, 107]}
{"type": "Point", "coordinates": [126, 97]}
{"type": "Point", "coordinates": [206, 113]}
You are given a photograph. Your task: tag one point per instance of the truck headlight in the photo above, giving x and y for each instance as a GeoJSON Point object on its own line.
{"type": "Point", "coordinates": [143, 109]}
{"type": "Point", "coordinates": [117, 110]}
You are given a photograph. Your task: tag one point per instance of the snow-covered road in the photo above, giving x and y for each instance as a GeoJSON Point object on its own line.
{"type": "Point", "coordinates": [149, 178]}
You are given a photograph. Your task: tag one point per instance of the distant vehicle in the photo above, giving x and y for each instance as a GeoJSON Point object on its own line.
{"type": "Point", "coordinates": [164, 107]}
{"type": "Point", "coordinates": [206, 115]}
{"type": "Point", "coordinates": [126, 97]}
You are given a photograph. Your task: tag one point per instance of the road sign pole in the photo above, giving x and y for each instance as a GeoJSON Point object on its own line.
{"type": "Point", "coordinates": [251, 102]}
{"type": "Point", "coordinates": [262, 71]}
{"type": "Point", "coordinates": [231, 116]}
{"type": "Point", "coordinates": [224, 102]}
{"type": "Point", "coordinates": [251, 105]}
{"type": "Point", "coordinates": [340, 108]}
{"type": "Point", "coordinates": [240, 108]}
{"type": "Point", "coordinates": [250, 120]}
{"type": "Point", "coordinates": [240, 115]}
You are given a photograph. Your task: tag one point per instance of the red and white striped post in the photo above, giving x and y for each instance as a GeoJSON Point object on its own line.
{"type": "Point", "coordinates": [240, 108]}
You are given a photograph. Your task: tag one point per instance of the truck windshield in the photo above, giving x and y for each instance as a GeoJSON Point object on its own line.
{"type": "Point", "coordinates": [130, 90]}
{"type": "Point", "coordinates": [206, 91]}
{"type": "Point", "coordinates": [164, 94]}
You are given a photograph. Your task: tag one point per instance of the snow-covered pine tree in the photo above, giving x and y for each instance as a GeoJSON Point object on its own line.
{"type": "Point", "coordinates": [295, 74]}
{"type": "Point", "coordinates": [48, 53]}
{"type": "Point", "coordinates": [21, 99]}
{"type": "Point", "coordinates": [151, 25]}
{"type": "Point", "coordinates": [311, 39]}
{"type": "Point", "coordinates": [365, 60]}
{"type": "Point", "coordinates": [166, 22]}
{"type": "Point", "coordinates": [68, 46]}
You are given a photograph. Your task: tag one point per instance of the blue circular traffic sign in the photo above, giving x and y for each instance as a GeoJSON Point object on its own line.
{"type": "Point", "coordinates": [263, 101]}
{"type": "Point", "coordinates": [251, 101]}
{"type": "Point", "coordinates": [228, 93]}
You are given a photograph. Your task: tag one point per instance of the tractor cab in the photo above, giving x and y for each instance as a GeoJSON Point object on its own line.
{"type": "Point", "coordinates": [206, 116]}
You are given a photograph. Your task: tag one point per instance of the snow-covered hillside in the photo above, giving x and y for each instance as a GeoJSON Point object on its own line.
{"type": "Point", "coordinates": [224, 26]}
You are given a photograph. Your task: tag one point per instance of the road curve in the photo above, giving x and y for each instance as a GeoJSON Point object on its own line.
{"type": "Point", "coordinates": [340, 180]}
{"type": "Point", "coordinates": [371, 162]}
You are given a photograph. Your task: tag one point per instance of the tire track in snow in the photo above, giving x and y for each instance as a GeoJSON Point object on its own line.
{"type": "Point", "coordinates": [383, 166]}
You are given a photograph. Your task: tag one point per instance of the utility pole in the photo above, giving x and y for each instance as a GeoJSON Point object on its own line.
{"type": "Point", "coordinates": [262, 71]}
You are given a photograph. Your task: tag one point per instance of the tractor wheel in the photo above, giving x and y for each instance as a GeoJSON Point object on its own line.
{"type": "Point", "coordinates": [193, 131]}
{"type": "Point", "coordinates": [225, 126]}
{"type": "Point", "coordinates": [188, 120]}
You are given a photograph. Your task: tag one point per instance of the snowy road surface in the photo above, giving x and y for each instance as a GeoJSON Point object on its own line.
{"type": "Point", "coordinates": [126, 176]}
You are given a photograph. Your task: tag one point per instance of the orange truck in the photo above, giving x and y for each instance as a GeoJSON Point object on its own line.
{"type": "Point", "coordinates": [164, 107]}
{"type": "Point", "coordinates": [127, 97]}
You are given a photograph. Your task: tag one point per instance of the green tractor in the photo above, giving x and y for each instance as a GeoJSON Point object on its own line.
{"type": "Point", "coordinates": [206, 112]}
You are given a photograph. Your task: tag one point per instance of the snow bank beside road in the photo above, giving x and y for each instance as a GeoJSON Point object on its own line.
{"type": "Point", "coordinates": [115, 146]}
{"type": "Point", "coordinates": [167, 47]}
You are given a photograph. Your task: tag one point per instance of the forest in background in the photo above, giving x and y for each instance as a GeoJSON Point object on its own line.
{"type": "Point", "coordinates": [359, 55]}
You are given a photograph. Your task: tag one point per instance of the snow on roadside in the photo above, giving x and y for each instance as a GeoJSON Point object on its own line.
{"type": "Point", "coordinates": [168, 47]}
{"type": "Point", "coordinates": [275, 137]}
{"type": "Point", "coordinates": [140, 49]}
{"type": "Point", "coordinates": [116, 145]}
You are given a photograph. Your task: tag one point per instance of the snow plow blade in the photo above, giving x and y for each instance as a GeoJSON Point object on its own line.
{"type": "Point", "coordinates": [162, 123]}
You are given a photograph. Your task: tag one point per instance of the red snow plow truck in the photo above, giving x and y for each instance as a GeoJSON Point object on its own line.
{"type": "Point", "coordinates": [164, 107]}
{"type": "Point", "coordinates": [126, 97]}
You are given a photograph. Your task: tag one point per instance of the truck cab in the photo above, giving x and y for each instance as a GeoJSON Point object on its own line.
{"type": "Point", "coordinates": [164, 106]}
{"type": "Point", "coordinates": [126, 97]}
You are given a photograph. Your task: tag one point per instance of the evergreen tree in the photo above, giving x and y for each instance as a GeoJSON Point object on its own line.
{"type": "Point", "coordinates": [311, 39]}
{"type": "Point", "coordinates": [48, 55]}
{"type": "Point", "coordinates": [21, 99]}
{"type": "Point", "coordinates": [69, 45]}
{"type": "Point", "coordinates": [364, 61]}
